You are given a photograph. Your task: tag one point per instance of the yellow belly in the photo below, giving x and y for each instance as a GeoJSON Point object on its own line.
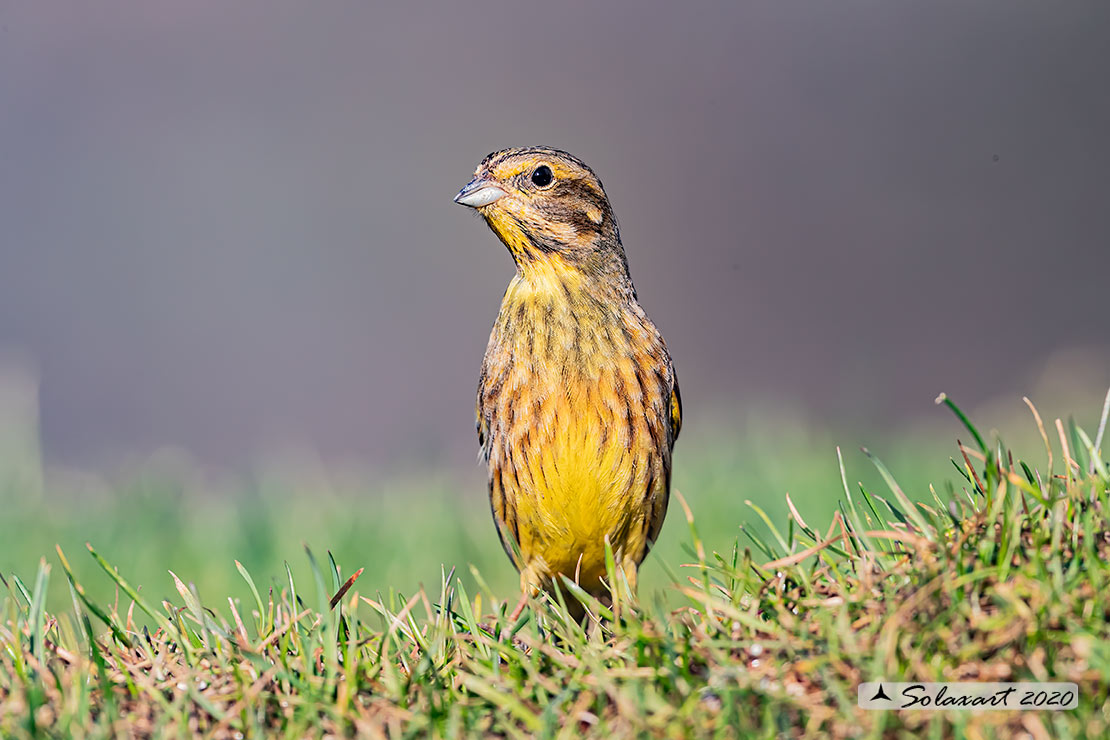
{"type": "Point", "coordinates": [578, 489]}
{"type": "Point", "coordinates": [574, 409]}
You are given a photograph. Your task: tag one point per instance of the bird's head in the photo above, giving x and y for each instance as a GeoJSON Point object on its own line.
{"type": "Point", "coordinates": [545, 204]}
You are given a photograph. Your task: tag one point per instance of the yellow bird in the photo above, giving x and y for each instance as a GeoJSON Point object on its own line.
{"type": "Point", "coordinates": [578, 403]}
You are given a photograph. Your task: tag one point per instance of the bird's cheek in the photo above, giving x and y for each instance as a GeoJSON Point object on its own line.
{"type": "Point", "coordinates": [564, 233]}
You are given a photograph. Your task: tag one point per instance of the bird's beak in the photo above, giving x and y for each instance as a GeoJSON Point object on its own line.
{"type": "Point", "coordinates": [479, 192]}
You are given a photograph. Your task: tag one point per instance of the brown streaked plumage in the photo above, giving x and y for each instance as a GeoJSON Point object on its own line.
{"type": "Point", "coordinates": [578, 403]}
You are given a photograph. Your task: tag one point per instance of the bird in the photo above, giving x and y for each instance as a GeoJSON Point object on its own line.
{"type": "Point", "coordinates": [578, 405]}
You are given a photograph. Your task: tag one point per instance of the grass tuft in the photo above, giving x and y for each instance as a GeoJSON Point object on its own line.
{"type": "Point", "coordinates": [1003, 576]}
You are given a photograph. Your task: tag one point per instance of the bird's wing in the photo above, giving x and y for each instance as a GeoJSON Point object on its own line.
{"type": "Point", "coordinates": [481, 424]}
{"type": "Point", "coordinates": [659, 511]}
{"type": "Point", "coordinates": [676, 407]}
{"type": "Point", "coordinates": [481, 416]}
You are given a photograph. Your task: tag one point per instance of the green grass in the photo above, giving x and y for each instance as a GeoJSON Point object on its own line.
{"type": "Point", "coordinates": [1001, 575]}
{"type": "Point", "coordinates": [403, 527]}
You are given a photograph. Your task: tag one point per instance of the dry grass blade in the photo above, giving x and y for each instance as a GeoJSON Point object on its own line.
{"type": "Point", "coordinates": [345, 587]}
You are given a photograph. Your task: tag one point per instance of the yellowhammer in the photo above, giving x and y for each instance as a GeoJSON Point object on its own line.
{"type": "Point", "coordinates": [578, 404]}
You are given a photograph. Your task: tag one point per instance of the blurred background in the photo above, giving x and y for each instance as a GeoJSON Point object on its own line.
{"type": "Point", "coordinates": [238, 309]}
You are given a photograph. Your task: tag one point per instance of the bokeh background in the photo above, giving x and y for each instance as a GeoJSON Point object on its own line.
{"type": "Point", "coordinates": [234, 289]}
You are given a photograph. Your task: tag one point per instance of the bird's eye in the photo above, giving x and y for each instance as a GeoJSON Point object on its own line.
{"type": "Point", "coordinates": [541, 176]}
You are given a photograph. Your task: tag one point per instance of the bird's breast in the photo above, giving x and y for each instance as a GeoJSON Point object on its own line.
{"type": "Point", "coordinates": [576, 399]}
